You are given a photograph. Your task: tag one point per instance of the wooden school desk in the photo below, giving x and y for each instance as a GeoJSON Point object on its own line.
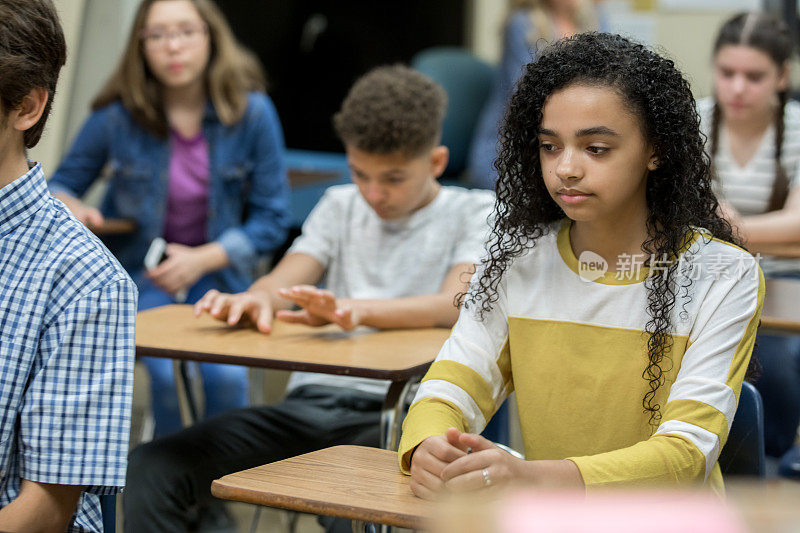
{"type": "Point", "coordinates": [781, 314]}
{"type": "Point", "coordinates": [365, 485]}
{"type": "Point", "coordinates": [401, 356]}
{"type": "Point", "coordinates": [114, 226]}
{"type": "Point", "coordinates": [779, 250]}
{"type": "Point", "coordinates": [355, 482]}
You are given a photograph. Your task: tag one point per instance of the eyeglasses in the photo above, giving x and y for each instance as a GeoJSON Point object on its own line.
{"type": "Point", "coordinates": [185, 36]}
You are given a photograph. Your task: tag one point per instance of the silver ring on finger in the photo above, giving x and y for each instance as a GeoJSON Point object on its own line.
{"type": "Point", "coordinates": [486, 479]}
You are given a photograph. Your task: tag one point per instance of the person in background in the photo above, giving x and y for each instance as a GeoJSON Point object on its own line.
{"type": "Point", "coordinates": [67, 312]}
{"type": "Point", "coordinates": [194, 150]}
{"type": "Point", "coordinates": [393, 250]}
{"type": "Point", "coordinates": [530, 25]}
{"type": "Point", "coordinates": [753, 132]}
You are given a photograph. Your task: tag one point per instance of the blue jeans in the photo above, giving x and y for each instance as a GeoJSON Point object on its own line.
{"type": "Point", "coordinates": [779, 385]}
{"type": "Point", "coordinates": [225, 386]}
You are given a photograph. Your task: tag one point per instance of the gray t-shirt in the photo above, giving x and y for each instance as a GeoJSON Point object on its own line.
{"type": "Point", "coordinates": [367, 257]}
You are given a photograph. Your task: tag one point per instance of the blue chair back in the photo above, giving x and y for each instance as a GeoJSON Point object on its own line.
{"type": "Point", "coordinates": [310, 173]}
{"type": "Point", "coordinates": [497, 430]}
{"type": "Point", "coordinates": [468, 83]}
{"type": "Point", "coordinates": [743, 454]}
{"type": "Point", "coordinates": [108, 508]}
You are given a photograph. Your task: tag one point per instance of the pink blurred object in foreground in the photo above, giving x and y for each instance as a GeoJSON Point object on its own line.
{"type": "Point", "coordinates": [617, 512]}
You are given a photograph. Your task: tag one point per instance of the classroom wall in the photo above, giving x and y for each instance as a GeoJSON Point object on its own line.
{"type": "Point", "coordinates": [48, 151]}
{"type": "Point", "coordinates": [95, 31]}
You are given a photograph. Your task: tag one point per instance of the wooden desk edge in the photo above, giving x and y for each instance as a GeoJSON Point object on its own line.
{"type": "Point", "coordinates": [777, 326]}
{"type": "Point", "coordinates": [282, 364]}
{"type": "Point", "coordinates": [220, 489]}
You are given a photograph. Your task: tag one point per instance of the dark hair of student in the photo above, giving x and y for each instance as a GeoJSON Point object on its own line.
{"type": "Point", "coordinates": [392, 109]}
{"type": "Point", "coordinates": [231, 73]}
{"type": "Point", "coordinates": [32, 52]}
{"type": "Point", "coordinates": [769, 35]}
{"type": "Point", "coordinates": [679, 195]}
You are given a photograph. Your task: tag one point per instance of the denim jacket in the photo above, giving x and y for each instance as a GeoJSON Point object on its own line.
{"type": "Point", "coordinates": [248, 205]}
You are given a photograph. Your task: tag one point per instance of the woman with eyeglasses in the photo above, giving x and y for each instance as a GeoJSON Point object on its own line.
{"type": "Point", "coordinates": [193, 152]}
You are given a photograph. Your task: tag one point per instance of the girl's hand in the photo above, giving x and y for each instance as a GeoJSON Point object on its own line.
{"type": "Point", "coordinates": [490, 466]}
{"type": "Point", "coordinates": [87, 215]}
{"type": "Point", "coordinates": [486, 466]}
{"type": "Point", "coordinates": [253, 305]}
{"type": "Point", "coordinates": [319, 307]}
{"type": "Point", "coordinates": [182, 268]}
{"type": "Point", "coordinates": [429, 461]}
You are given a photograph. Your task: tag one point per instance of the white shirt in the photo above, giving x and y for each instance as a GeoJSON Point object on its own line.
{"type": "Point", "coordinates": [748, 188]}
{"type": "Point", "coordinates": [367, 257]}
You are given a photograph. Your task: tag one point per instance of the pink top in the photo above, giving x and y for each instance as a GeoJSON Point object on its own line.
{"type": "Point", "coordinates": [187, 197]}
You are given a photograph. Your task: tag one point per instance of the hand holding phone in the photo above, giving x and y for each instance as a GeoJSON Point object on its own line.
{"type": "Point", "coordinates": [157, 254]}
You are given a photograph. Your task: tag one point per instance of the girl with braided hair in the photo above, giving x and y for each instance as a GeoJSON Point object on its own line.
{"type": "Point", "coordinates": [612, 299]}
{"type": "Point", "coordinates": [753, 132]}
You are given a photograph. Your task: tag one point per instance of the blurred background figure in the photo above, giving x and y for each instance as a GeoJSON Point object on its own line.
{"type": "Point", "coordinates": [529, 26]}
{"type": "Point", "coordinates": [194, 152]}
{"type": "Point", "coordinates": [753, 132]}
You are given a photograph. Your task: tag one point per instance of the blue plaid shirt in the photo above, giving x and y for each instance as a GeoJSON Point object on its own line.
{"type": "Point", "coordinates": [67, 314]}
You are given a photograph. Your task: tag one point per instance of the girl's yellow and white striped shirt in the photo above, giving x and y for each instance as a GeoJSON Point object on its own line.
{"type": "Point", "coordinates": [575, 351]}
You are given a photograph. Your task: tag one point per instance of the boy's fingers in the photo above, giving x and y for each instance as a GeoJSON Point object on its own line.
{"type": "Point", "coordinates": [294, 317]}
{"type": "Point", "coordinates": [205, 302]}
{"type": "Point", "coordinates": [262, 317]}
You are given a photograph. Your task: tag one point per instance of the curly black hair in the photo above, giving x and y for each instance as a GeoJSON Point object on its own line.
{"type": "Point", "coordinates": [392, 109]}
{"type": "Point", "coordinates": [679, 195]}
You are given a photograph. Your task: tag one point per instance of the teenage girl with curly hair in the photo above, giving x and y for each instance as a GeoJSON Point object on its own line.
{"type": "Point", "coordinates": [753, 134]}
{"type": "Point", "coordinates": [627, 373]}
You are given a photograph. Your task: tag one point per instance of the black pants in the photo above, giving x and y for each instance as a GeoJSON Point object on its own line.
{"type": "Point", "coordinates": [168, 476]}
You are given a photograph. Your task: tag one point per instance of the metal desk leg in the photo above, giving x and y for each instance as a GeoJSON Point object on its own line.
{"type": "Point", "coordinates": [390, 413]}
{"type": "Point", "coordinates": [186, 400]}
{"type": "Point", "coordinates": [359, 526]}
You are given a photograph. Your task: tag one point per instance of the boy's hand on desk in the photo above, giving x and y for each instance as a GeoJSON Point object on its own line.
{"type": "Point", "coordinates": [231, 308]}
{"type": "Point", "coordinates": [319, 307]}
{"type": "Point", "coordinates": [430, 459]}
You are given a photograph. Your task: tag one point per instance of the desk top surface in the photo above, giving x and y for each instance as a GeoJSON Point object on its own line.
{"type": "Point", "coordinates": [348, 481]}
{"type": "Point", "coordinates": [782, 305]}
{"type": "Point", "coordinates": [172, 331]}
{"type": "Point", "coordinates": [780, 250]}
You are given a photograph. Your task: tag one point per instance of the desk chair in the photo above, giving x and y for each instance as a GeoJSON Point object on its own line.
{"type": "Point", "coordinates": [497, 430]}
{"type": "Point", "coordinates": [743, 454]}
{"type": "Point", "coordinates": [310, 173]}
{"type": "Point", "coordinates": [468, 83]}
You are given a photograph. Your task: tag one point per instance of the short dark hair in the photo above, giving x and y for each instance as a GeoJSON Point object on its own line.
{"type": "Point", "coordinates": [32, 52]}
{"type": "Point", "coordinates": [392, 109]}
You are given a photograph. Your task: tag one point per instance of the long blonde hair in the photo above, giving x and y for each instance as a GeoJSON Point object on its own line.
{"type": "Point", "coordinates": [231, 73]}
{"type": "Point", "coordinates": [585, 18]}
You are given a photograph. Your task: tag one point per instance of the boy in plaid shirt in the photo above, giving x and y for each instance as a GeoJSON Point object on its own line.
{"type": "Point", "coordinates": [67, 312]}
